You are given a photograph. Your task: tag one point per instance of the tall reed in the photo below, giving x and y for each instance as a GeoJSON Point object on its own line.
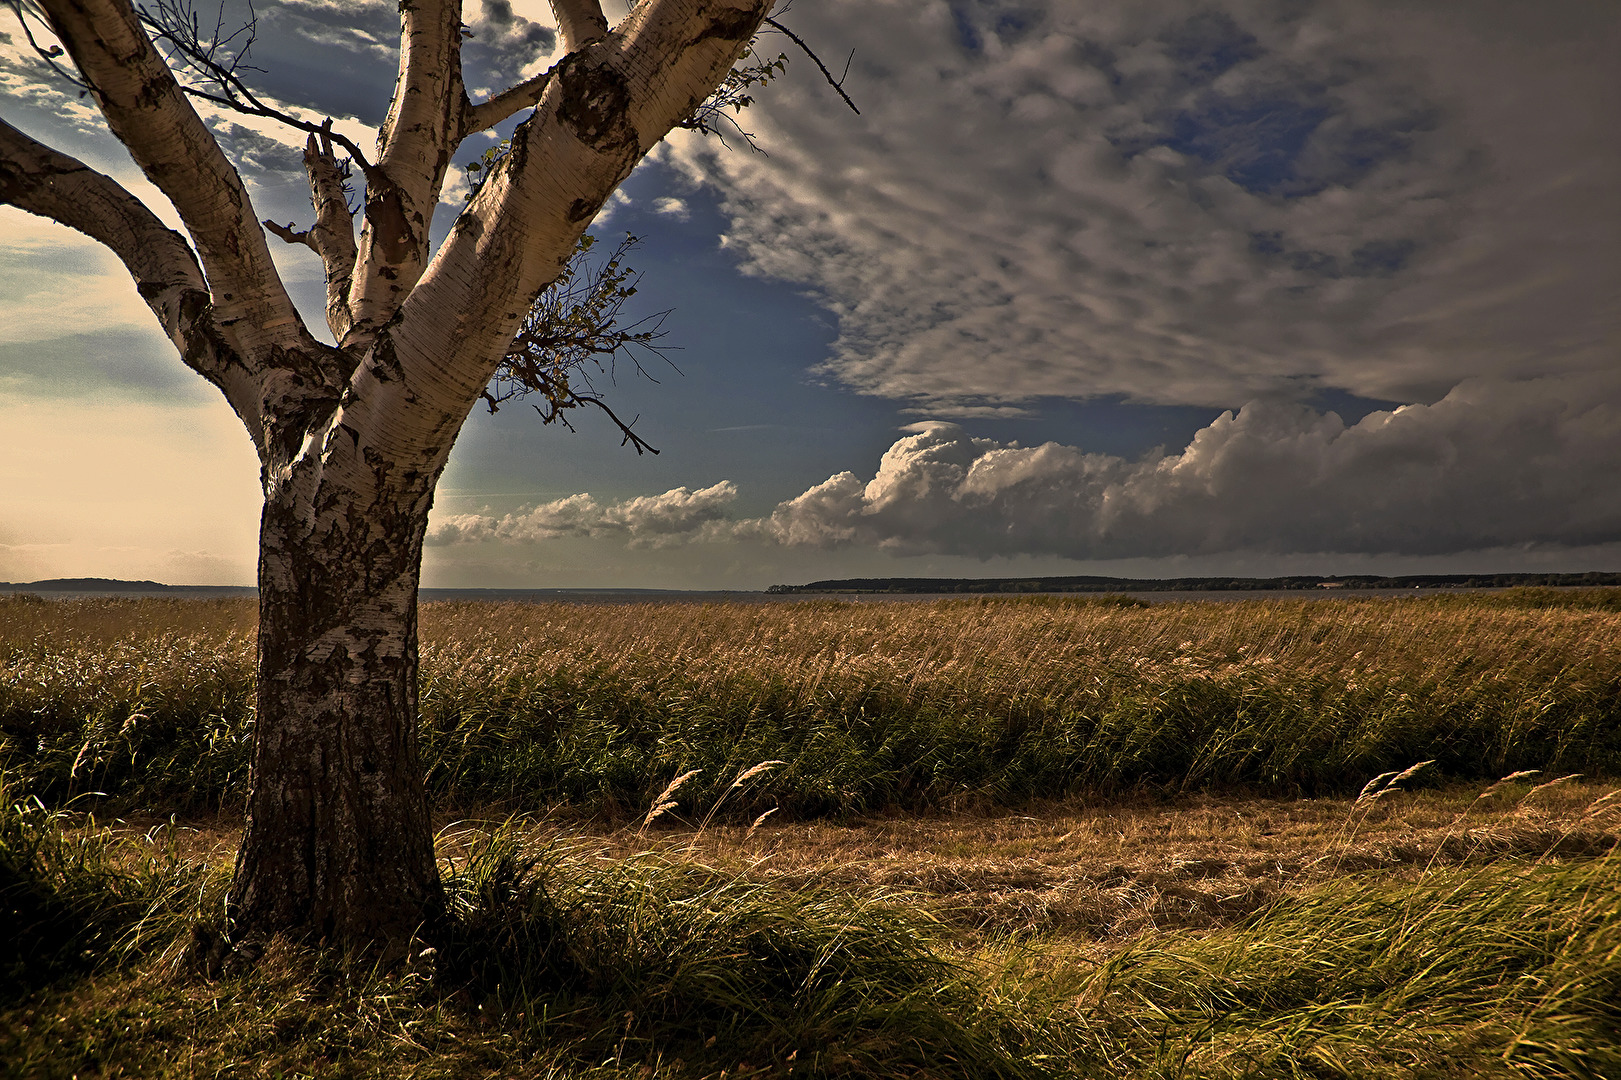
{"type": "Point", "coordinates": [870, 705]}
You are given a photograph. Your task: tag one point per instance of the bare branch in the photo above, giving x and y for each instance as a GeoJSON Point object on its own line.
{"type": "Point", "coordinates": [836, 84]}
{"type": "Point", "coordinates": [147, 111]}
{"type": "Point", "coordinates": [580, 23]}
{"type": "Point", "coordinates": [630, 437]}
{"type": "Point", "coordinates": [173, 26]}
{"type": "Point", "coordinates": [603, 109]}
{"type": "Point", "coordinates": [333, 233]}
{"type": "Point", "coordinates": [414, 148]}
{"type": "Point", "coordinates": [292, 236]}
{"type": "Point", "coordinates": [48, 56]}
{"type": "Point", "coordinates": [215, 58]}
{"type": "Point", "coordinates": [487, 114]}
{"type": "Point", "coordinates": [570, 399]}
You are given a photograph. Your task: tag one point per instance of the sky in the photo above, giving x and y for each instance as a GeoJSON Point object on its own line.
{"type": "Point", "coordinates": [1151, 289]}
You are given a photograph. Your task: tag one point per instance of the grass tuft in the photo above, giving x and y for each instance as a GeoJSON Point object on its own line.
{"type": "Point", "coordinates": [650, 956]}
{"type": "Point", "coordinates": [74, 897]}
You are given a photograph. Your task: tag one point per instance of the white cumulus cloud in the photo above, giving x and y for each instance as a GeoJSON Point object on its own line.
{"type": "Point", "coordinates": [1494, 464]}
{"type": "Point", "coordinates": [644, 521]}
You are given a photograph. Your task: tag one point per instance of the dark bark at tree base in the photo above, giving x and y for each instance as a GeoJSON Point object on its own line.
{"type": "Point", "coordinates": [339, 840]}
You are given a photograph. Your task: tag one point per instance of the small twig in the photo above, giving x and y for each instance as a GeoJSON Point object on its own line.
{"type": "Point", "coordinates": [170, 26]}
{"type": "Point", "coordinates": [836, 84]}
{"type": "Point", "coordinates": [48, 55]}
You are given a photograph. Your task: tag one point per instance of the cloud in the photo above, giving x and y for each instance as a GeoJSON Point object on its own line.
{"type": "Point", "coordinates": [1494, 464]}
{"type": "Point", "coordinates": [506, 45]}
{"type": "Point", "coordinates": [671, 206]}
{"type": "Point", "coordinates": [644, 521]}
{"type": "Point", "coordinates": [368, 28]}
{"type": "Point", "coordinates": [1190, 203]}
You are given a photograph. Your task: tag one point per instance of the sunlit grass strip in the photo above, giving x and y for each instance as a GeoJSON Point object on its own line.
{"type": "Point", "coordinates": [1506, 968]}
{"type": "Point", "coordinates": [871, 705]}
{"type": "Point", "coordinates": [561, 962]}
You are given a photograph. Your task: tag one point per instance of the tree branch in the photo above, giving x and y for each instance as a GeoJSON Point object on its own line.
{"type": "Point", "coordinates": [579, 23]}
{"type": "Point", "coordinates": [603, 109]}
{"type": "Point", "coordinates": [147, 111]}
{"type": "Point", "coordinates": [487, 114]}
{"type": "Point", "coordinates": [179, 34]}
{"type": "Point", "coordinates": [836, 84]}
{"type": "Point", "coordinates": [333, 234]}
{"type": "Point", "coordinates": [48, 56]}
{"type": "Point", "coordinates": [414, 147]}
{"type": "Point", "coordinates": [291, 235]}
{"type": "Point", "coordinates": [47, 182]}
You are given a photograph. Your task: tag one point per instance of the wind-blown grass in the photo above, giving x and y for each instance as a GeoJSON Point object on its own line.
{"type": "Point", "coordinates": [1506, 969]}
{"type": "Point", "coordinates": [654, 957]}
{"type": "Point", "coordinates": [561, 963]}
{"type": "Point", "coordinates": [873, 706]}
{"type": "Point", "coordinates": [74, 897]}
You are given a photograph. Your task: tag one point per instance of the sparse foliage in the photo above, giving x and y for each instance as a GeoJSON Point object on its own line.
{"type": "Point", "coordinates": [574, 327]}
{"type": "Point", "coordinates": [720, 110]}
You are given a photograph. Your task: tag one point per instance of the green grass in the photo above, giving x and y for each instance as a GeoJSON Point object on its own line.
{"type": "Point", "coordinates": [560, 961]}
{"type": "Point", "coordinates": [72, 895]}
{"type": "Point", "coordinates": [875, 707]}
{"type": "Point", "coordinates": [563, 963]}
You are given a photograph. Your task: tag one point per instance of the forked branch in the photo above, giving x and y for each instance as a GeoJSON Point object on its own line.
{"type": "Point", "coordinates": [333, 234]}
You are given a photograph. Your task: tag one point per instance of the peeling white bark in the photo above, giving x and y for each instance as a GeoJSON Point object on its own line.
{"type": "Point", "coordinates": [580, 22]}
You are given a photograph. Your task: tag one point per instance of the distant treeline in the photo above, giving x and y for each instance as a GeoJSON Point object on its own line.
{"type": "Point", "coordinates": [1195, 584]}
{"type": "Point", "coordinates": [86, 584]}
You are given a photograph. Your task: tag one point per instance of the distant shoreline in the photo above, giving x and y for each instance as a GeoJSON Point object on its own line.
{"type": "Point", "coordinates": [1355, 584]}
{"type": "Point", "coordinates": [1291, 583]}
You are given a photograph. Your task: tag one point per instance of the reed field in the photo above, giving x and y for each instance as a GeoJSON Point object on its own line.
{"type": "Point", "coordinates": [1076, 837]}
{"type": "Point", "coordinates": [890, 706]}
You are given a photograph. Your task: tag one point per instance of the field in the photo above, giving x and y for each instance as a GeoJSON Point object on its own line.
{"type": "Point", "coordinates": [987, 837]}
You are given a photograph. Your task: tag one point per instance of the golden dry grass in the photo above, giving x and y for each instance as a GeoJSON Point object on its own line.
{"type": "Point", "coordinates": [1100, 871]}
{"type": "Point", "coordinates": [1019, 646]}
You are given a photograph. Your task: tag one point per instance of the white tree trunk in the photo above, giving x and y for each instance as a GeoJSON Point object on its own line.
{"type": "Point", "coordinates": [352, 439]}
{"type": "Point", "coordinates": [339, 836]}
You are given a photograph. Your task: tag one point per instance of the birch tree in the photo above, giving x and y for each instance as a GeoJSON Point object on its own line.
{"type": "Point", "coordinates": [352, 437]}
